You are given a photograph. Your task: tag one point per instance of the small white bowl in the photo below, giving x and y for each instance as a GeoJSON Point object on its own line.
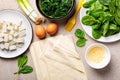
{"type": "Point", "coordinates": [104, 62]}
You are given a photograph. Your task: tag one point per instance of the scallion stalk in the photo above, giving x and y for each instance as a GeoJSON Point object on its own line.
{"type": "Point", "coordinates": [30, 12]}
{"type": "Point", "coordinates": [29, 8]}
{"type": "Point", "coordinates": [25, 10]}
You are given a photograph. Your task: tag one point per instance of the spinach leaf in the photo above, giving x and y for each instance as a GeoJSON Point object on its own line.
{"type": "Point", "coordinates": [22, 60]}
{"type": "Point", "coordinates": [113, 27]}
{"type": "Point", "coordinates": [111, 32]}
{"type": "Point", "coordinates": [96, 26]}
{"type": "Point", "coordinates": [81, 37]}
{"type": "Point", "coordinates": [105, 28]}
{"type": "Point", "coordinates": [118, 4]}
{"type": "Point", "coordinates": [118, 13]}
{"type": "Point", "coordinates": [96, 13]}
{"type": "Point", "coordinates": [117, 19]}
{"type": "Point", "coordinates": [88, 20]}
{"type": "Point", "coordinates": [105, 8]}
{"type": "Point", "coordinates": [26, 69]}
{"type": "Point", "coordinates": [108, 16]}
{"type": "Point", "coordinates": [88, 12]}
{"type": "Point", "coordinates": [112, 7]}
{"type": "Point", "coordinates": [55, 8]}
{"type": "Point", "coordinates": [22, 67]}
{"type": "Point", "coordinates": [105, 2]}
{"type": "Point", "coordinates": [96, 9]}
{"type": "Point", "coordinates": [104, 17]}
{"type": "Point", "coordinates": [88, 3]}
{"type": "Point", "coordinates": [96, 6]}
{"type": "Point", "coordinates": [81, 42]}
{"type": "Point", "coordinates": [96, 34]}
{"type": "Point", "coordinates": [79, 33]}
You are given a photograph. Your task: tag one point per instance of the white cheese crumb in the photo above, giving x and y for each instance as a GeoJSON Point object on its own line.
{"type": "Point", "coordinates": [6, 46]}
{"type": "Point", "coordinates": [1, 39]}
{"type": "Point", "coordinates": [13, 47]}
{"type": "Point", "coordinates": [2, 46]}
{"type": "Point", "coordinates": [12, 35]}
{"type": "Point", "coordinates": [5, 38]}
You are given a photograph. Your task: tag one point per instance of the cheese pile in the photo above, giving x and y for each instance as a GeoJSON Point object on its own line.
{"type": "Point", "coordinates": [56, 59]}
{"type": "Point", "coordinates": [11, 35]}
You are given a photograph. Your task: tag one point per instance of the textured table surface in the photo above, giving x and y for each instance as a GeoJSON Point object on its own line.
{"type": "Point", "coordinates": [111, 72]}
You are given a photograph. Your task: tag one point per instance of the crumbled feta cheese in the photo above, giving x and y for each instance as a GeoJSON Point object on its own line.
{"type": "Point", "coordinates": [15, 34]}
{"type": "Point", "coordinates": [13, 47]}
{"type": "Point", "coordinates": [1, 35]}
{"type": "Point", "coordinates": [16, 27]}
{"type": "Point", "coordinates": [22, 28]}
{"type": "Point", "coordinates": [12, 35]}
{"type": "Point", "coordinates": [6, 46]}
{"type": "Point", "coordinates": [2, 46]}
{"type": "Point", "coordinates": [5, 38]}
{"type": "Point", "coordinates": [4, 29]}
{"type": "Point", "coordinates": [12, 42]}
{"type": "Point", "coordinates": [19, 23]}
{"type": "Point", "coordinates": [20, 40]}
{"type": "Point", "coordinates": [22, 33]}
{"type": "Point", "coordinates": [1, 39]}
{"type": "Point", "coordinates": [11, 32]}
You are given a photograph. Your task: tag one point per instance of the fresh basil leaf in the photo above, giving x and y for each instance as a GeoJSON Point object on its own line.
{"type": "Point", "coordinates": [81, 42]}
{"type": "Point", "coordinates": [22, 60]}
{"type": "Point", "coordinates": [26, 69]}
{"type": "Point", "coordinates": [79, 33]}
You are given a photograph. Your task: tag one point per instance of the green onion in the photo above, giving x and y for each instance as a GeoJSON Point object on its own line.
{"type": "Point", "coordinates": [30, 11]}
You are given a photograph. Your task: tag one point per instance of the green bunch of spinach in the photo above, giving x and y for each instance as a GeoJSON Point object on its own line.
{"type": "Point", "coordinates": [23, 68]}
{"type": "Point", "coordinates": [103, 16]}
{"type": "Point", "coordinates": [55, 8]}
{"type": "Point", "coordinates": [81, 37]}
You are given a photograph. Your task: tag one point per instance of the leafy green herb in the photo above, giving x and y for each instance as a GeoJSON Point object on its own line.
{"type": "Point", "coordinates": [55, 8]}
{"type": "Point", "coordinates": [81, 42]}
{"type": "Point", "coordinates": [105, 2]}
{"type": "Point", "coordinates": [22, 60]}
{"type": "Point", "coordinates": [88, 20]}
{"type": "Point", "coordinates": [26, 69]}
{"type": "Point", "coordinates": [88, 3]}
{"type": "Point", "coordinates": [113, 27]}
{"type": "Point", "coordinates": [96, 34]}
{"type": "Point", "coordinates": [103, 16]}
{"type": "Point", "coordinates": [96, 26]}
{"type": "Point", "coordinates": [79, 33]}
{"type": "Point", "coordinates": [23, 68]}
{"type": "Point", "coordinates": [105, 28]}
{"type": "Point", "coordinates": [81, 37]}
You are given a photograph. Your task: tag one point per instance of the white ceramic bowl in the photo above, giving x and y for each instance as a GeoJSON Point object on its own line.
{"type": "Point", "coordinates": [105, 61]}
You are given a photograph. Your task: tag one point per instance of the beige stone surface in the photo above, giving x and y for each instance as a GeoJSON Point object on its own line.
{"type": "Point", "coordinates": [111, 72]}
